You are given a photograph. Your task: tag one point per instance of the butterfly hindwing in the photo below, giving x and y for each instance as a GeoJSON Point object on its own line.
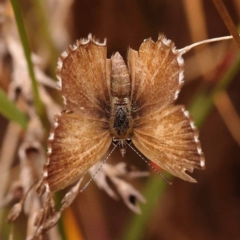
{"type": "Point", "coordinates": [76, 144]}
{"type": "Point", "coordinates": [169, 139]}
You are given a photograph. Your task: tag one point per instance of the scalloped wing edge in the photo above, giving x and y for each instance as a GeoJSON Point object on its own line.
{"type": "Point", "coordinates": [196, 138]}
{"type": "Point", "coordinates": [72, 48]}
{"type": "Point", "coordinates": [169, 43]}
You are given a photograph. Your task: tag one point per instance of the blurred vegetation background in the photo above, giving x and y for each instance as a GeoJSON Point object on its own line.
{"type": "Point", "coordinates": [209, 209]}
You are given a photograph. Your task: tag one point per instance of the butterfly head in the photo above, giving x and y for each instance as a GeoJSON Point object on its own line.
{"type": "Point", "coordinates": [122, 143]}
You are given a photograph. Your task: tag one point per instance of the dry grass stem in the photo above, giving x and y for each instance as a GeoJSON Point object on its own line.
{"type": "Point", "coordinates": [227, 20]}
{"type": "Point", "coordinates": [228, 114]}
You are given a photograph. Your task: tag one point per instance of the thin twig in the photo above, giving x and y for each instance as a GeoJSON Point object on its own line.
{"type": "Point", "coordinates": [227, 20]}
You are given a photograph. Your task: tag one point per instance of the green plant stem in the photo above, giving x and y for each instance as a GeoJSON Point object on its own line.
{"type": "Point", "coordinates": [46, 34]}
{"type": "Point", "coordinates": [27, 52]}
{"type": "Point", "coordinates": [153, 190]}
{"type": "Point", "coordinates": [9, 110]}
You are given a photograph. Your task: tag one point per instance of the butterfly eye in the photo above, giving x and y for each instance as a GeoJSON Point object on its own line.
{"type": "Point", "coordinates": [115, 141]}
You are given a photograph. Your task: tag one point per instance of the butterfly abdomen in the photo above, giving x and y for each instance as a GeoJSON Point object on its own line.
{"type": "Point", "coordinates": [120, 80]}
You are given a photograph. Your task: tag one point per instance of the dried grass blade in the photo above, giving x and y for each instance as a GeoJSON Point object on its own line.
{"type": "Point", "coordinates": [8, 150]}
{"type": "Point", "coordinates": [227, 20]}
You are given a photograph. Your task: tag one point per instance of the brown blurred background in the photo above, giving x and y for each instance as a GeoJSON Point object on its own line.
{"type": "Point", "coordinates": [209, 209]}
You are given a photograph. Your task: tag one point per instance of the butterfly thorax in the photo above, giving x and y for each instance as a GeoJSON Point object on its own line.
{"type": "Point", "coordinates": [121, 123]}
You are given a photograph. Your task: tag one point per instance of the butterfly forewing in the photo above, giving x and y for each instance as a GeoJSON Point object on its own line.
{"type": "Point", "coordinates": [169, 139]}
{"type": "Point", "coordinates": [157, 75]}
{"type": "Point", "coordinates": [76, 145]}
{"type": "Point", "coordinates": [83, 77]}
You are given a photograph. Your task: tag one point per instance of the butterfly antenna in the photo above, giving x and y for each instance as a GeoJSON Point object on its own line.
{"type": "Point", "coordinates": [105, 160]}
{"type": "Point", "coordinates": [186, 49]}
{"type": "Point", "coordinates": [148, 163]}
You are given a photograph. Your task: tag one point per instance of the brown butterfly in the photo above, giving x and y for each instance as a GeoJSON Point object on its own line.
{"type": "Point", "coordinates": [108, 101]}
